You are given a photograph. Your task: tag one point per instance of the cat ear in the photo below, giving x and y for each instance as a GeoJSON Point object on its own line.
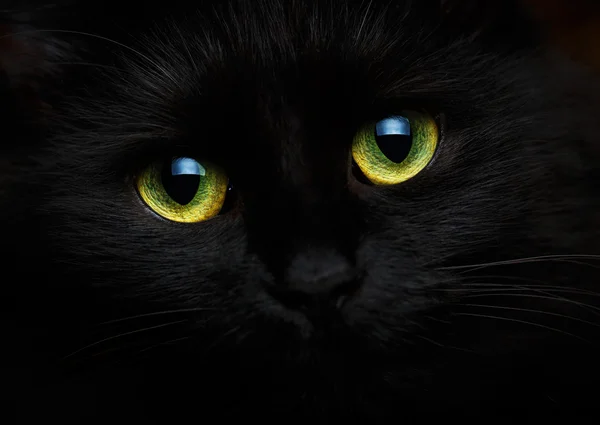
{"type": "Point", "coordinates": [502, 23]}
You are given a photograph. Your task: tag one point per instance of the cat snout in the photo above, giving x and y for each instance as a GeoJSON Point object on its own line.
{"type": "Point", "coordinates": [316, 280]}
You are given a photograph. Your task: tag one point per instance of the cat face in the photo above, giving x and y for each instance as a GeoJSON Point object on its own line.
{"type": "Point", "coordinates": [292, 270]}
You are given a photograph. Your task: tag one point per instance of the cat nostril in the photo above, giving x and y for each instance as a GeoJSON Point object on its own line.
{"type": "Point", "coordinates": [317, 280]}
{"type": "Point", "coordinates": [318, 272]}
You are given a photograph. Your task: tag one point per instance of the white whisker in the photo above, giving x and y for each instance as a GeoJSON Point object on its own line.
{"type": "Point", "coordinates": [592, 309]}
{"type": "Point", "coordinates": [527, 260]}
{"type": "Point", "coordinates": [527, 310]}
{"type": "Point", "coordinates": [157, 313]}
{"type": "Point", "coordinates": [524, 322]}
{"type": "Point", "coordinates": [122, 335]}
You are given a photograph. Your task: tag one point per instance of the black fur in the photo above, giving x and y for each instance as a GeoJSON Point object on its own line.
{"type": "Point", "coordinates": [111, 313]}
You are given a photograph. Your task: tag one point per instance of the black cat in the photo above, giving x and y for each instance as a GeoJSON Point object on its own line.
{"type": "Point", "coordinates": [284, 210]}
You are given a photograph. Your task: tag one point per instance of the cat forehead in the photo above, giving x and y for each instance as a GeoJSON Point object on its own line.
{"type": "Point", "coordinates": [296, 48]}
{"type": "Point", "coordinates": [259, 55]}
{"type": "Point", "coordinates": [269, 32]}
{"type": "Point", "coordinates": [266, 49]}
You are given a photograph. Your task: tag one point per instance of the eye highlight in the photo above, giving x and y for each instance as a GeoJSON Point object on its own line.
{"type": "Point", "coordinates": [183, 189]}
{"type": "Point", "coordinates": [396, 148]}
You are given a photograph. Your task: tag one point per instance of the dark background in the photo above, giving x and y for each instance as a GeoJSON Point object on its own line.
{"type": "Point", "coordinates": [573, 25]}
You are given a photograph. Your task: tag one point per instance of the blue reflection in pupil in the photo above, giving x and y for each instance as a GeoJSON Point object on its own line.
{"type": "Point", "coordinates": [181, 179]}
{"type": "Point", "coordinates": [184, 166]}
{"type": "Point", "coordinates": [393, 126]}
{"type": "Point", "coordinates": [394, 138]}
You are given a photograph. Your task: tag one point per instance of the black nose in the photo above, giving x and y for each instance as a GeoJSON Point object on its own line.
{"type": "Point", "coordinates": [316, 279]}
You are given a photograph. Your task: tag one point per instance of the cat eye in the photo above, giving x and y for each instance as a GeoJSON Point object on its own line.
{"type": "Point", "coordinates": [183, 189]}
{"type": "Point", "coordinates": [396, 148]}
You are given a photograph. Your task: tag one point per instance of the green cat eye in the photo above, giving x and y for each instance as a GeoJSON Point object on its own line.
{"type": "Point", "coordinates": [397, 148]}
{"type": "Point", "coordinates": [183, 189]}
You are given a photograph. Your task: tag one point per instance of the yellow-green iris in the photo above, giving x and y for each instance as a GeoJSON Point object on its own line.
{"type": "Point", "coordinates": [397, 148]}
{"type": "Point", "coordinates": [183, 190]}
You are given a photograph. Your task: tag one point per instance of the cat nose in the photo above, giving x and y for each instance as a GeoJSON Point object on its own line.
{"type": "Point", "coordinates": [317, 278]}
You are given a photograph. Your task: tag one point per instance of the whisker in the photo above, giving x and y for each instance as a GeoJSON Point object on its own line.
{"type": "Point", "coordinates": [172, 341]}
{"type": "Point", "coordinates": [527, 310]}
{"type": "Point", "coordinates": [431, 341]}
{"type": "Point", "coordinates": [516, 262]}
{"type": "Point", "coordinates": [439, 344]}
{"type": "Point", "coordinates": [526, 260]}
{"type": "Point", "coordinates": [485, 288]}
{"type": "Point", "coordinates": [157, 313]}
{"type": "Point", "coordinates": [436, 319]}
{"type": "Point", "coordinates": [122, 335]}
{"type": "Point", "coordinates": [553, 298]}
{"type": "Point", "coordinates": [587, 307]}
{"type": "Point", "coordinates": [524, 322]}
{"type": "Point", "coordinates": [222, 338]}
{"type": "Point", "coordinates": [504, 277]}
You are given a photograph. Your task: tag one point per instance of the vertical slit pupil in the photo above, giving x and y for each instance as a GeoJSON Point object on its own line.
{"type": "Point", "coordinates": [394, 138]}
{"type": "Point", "coordinates": [181, 179]}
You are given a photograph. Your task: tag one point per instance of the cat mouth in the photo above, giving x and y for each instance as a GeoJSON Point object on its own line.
{"type": "Point", "coordinates": [317, 302]}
